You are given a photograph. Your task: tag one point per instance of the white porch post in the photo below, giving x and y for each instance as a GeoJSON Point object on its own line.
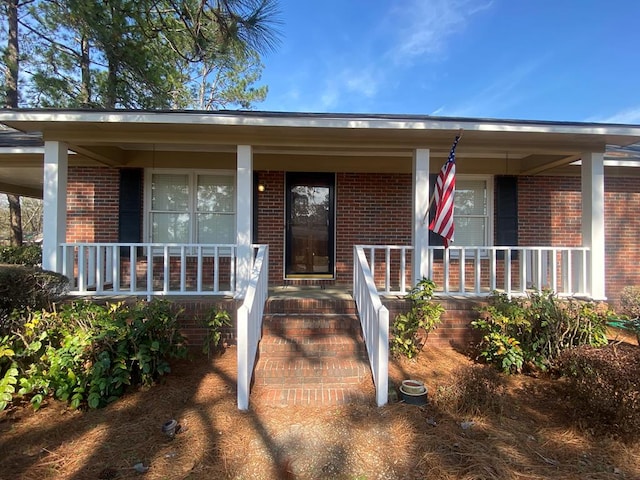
{"type": "Point", "coordinates": [420, 205]}
{"type": "Point", "coordinates": [593, 220]}
{"type": "Point", "coordinates": [54, 198]}
{"type": "Point", "coordinates": [244, 215]}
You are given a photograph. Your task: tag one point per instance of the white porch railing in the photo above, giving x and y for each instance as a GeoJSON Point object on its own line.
{"type": "Point", "coordinates": [149, 268]}
{"type": "Point", "coordinates": [478, 271]}
{"type": "Point", "coordinates": [374, 318]}
{"type": "Point", "coordinates": [250, 323]}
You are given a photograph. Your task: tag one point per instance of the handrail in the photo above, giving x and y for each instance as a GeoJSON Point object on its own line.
{"type": "Point", "coordinates": [480, 270]}
{"type": "Point", "coordinates": [149, 268]}
{"type": "Point", "coordinates": [374, 318]}
{"type": "Point", "coordinates": [249, 317]}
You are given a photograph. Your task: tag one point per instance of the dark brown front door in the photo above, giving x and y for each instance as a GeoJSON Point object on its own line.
{"type": "Point", "coordinates": [310, 225]}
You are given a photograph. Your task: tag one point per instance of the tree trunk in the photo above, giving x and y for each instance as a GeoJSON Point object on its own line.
{"type": "Point", "coordinates": [12, 60]}
{"type": "Point", "coordinates": [15, 216]}
{"type": "Point", "coordinates": [85, 68]}
{"type": "Point", "coordinates": [11, 57]}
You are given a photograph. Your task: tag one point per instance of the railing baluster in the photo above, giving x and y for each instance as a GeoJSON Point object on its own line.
{"type": "Point", "coordinates": [216, 269]}
{"type": "Point", "coordinates": [183, 269]}
{"type": "Point", "coordinates": [463, 271]}
{"type": "Point", "coordinates": [387, 271]}
{"type": "Point", "coordinates": [403, 270]}
{"type": "Point", "coordinates": [99, 269]}
{"type": "Point", "coordinates": [507, 272]}
{"type": "Point", "coordinates": [478, 278]}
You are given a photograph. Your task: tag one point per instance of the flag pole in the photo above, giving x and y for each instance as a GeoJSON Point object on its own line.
{"type": "Point", "coordinates": [433, 195]}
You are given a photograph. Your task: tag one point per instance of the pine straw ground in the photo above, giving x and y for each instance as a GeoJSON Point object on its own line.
{"type": "Point", "coordinates": [526, 430]}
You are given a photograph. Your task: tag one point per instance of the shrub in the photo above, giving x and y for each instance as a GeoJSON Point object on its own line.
{"type": "Point", "coordinates": [215, 321]}
{"type": "Point", "coordinates": [409, 330]}
{"type": "Point", "coordinates": [630, 301]}
{"type": "Point", "coordinates": [604, 384]}
{"type": "Point", "coordinates": [88, 354]}
{"type": "Point", "coordinates": [23, 288]}
{"type": "Point", "coordinates": [30, 255]}
{"type": "Point", "coordinates": [536, 329]}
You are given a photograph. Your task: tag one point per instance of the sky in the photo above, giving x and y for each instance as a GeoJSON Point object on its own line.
{"type": "Point", "coordinates": [557, 60]}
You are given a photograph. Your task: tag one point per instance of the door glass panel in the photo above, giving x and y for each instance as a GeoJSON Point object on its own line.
{"type": "Point", "coordinates": [309, 229]}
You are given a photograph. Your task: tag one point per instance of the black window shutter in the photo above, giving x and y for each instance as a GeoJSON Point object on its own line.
{"type": "Point", "coordinates": [435, 240]}
{"type": "Point", "coordinates": [130, 206]}
{"type": "Point", "coordinates": [506, 211]}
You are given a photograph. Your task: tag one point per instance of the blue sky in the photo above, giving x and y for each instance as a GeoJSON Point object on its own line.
{"type": "Point", "coordinates": [573, 60]}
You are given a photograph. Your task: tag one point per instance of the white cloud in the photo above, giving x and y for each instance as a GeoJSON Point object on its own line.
{"type": "Point", "coordinates": [629, 115]}
{"type": "Point", "coordinates": [500, 95]}
{"type": "Point", "coordinates": [424, 26]}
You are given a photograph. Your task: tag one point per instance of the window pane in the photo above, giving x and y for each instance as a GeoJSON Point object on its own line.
{"type": "Point", "coordinates": [470, 231]}
{"type": "Point", "coordinates": [216, 228]}
{"type": "Point", "coordinates": [471, 197]}
{"type": "Point", "coordinates": [170, 227]}
{"type": "Point", "coordinates": [170, 192]}
{"type": "Point", "coordinates": [216, 193]}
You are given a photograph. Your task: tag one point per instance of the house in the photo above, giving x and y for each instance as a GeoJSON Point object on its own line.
{"type": "Point", "coordinates": [186, 203]}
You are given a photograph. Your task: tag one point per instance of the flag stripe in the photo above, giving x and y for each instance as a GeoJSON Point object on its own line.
{"type": "Point", "coordinates": [444, 197]}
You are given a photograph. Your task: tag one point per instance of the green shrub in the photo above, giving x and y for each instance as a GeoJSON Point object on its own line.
{"type": "Point", "coordinates": [409, 330]}
{"type": "Point", "coordinates": [214, 322]}
{"type": "Point", "coordinates": [88, 354]}
{"type": "Point", "coordinates": [27, 288]}
{"type": "Point", "coordinates": [604, 385]}
{"type": "Point", "coordinates": [30, 255]}
{"type": "Point", "coordinates": [535, 329]}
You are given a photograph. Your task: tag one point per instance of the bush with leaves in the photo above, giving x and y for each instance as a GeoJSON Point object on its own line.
{"type": "Point", "coordinates": [88, 354]}
{"type": "Point", "coordinates": [604, 385]}
{"type": "Point", "coordinates": [27, 288]}
{"type": "Point", "coordinates": [630, 301]}
{"type": "Point", "coordinates": [534, 330]}
{"type": "Point", "coordinates": [215, 321]}
{"type": "Point", "coordinates": [30, 255]}
{"type": "Point", "coordinates": [409, 330]}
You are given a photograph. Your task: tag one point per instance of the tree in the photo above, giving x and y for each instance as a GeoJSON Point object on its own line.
{"type": "Point", "coordinates": [12, 70]}
{"type": "Point", "coordinates": [149, 53]}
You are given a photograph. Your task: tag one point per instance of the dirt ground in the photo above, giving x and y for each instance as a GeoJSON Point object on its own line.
{"type": "Point", "coordinates": [532, 435]}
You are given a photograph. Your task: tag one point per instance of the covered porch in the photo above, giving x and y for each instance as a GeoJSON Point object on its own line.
{"type": "Point", "coordinates": [110, 238]}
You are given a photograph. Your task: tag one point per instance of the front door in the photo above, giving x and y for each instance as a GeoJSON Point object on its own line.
{"type": "Point", "coordinates": [310, 242]}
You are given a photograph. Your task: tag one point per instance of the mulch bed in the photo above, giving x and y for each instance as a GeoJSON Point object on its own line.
{"type": "Point", "coordinates": [529, 433]}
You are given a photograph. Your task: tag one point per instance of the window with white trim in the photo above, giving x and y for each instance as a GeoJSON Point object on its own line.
{"type": "Point", "coordinates": [473, 210]}
{"type": "Point", "coordinates": [191, 206]}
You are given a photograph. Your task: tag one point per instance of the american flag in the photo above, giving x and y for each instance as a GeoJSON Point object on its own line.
{"type": "Point", "coordinates": [442, 222]}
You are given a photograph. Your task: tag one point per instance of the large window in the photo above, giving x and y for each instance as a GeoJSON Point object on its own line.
{"type": "Point", "coordinates": [472, 214]}
{"type": "Point", "coordinates": [191, 207]}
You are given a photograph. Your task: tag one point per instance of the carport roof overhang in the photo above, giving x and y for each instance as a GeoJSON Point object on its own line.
{"type": "Point", "coordinates": [107, 137]}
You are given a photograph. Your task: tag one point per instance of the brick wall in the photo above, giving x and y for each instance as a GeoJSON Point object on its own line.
{"type": "Point", "coordinates": [92, 204]}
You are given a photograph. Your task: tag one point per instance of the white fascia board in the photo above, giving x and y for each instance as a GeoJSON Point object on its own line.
{"type": "Point", "coordinates": [320, 121]}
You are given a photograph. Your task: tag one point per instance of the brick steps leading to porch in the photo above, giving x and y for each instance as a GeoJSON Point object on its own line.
{"type": "Point", "coordinates": [310, 358]}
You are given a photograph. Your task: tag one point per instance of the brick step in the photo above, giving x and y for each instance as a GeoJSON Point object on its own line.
{"type": "Point", "coordinates": [310, 305]}
{"type": "Point", "coordinates": [300, 371]}
{"type": "Point", "coordinates": [309, 324]}
{"type": "Point", "coordinates": [338, 345]}
{"type": "Point", "coordinates": [314, 396]}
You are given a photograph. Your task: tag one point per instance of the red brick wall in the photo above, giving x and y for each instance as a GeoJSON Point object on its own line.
{"type": "Point", "coordinates": [92, 204]}
{"type": "Point", "coordinates": [549, 211]}
{"type": "Point", "coordinates": [271, 221]}
{"type": "Point", "coordinates": [374, 209]}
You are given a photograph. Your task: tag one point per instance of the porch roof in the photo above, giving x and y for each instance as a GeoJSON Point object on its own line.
{"type": "Point", "coordinates": [290, 141]}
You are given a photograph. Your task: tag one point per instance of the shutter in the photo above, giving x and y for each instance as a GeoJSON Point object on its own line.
{"type": "Point", "coordinates": [130, 205]}
{"type": "Point", "coordinates": [434, 239]}
{"type": "Point", "coordinates": [506, 212]}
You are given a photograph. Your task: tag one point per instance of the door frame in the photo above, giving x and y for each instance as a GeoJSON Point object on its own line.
{"type": "Point", "coordinates": [324, 179]}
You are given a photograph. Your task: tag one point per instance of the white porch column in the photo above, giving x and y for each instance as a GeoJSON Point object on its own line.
{"type": "Point", "coordinates": [593, 219]}
{"type": "Point", "coordinates": [56, 160]}
{"type": "Point", "coordinates": [244, 215]}
{"type": "Point", "coordinates": [421, 192]}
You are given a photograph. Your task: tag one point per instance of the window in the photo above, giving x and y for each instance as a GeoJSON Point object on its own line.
{"type": "Point", "coordinates": [473, 201]}
{"type": "Point", "coordinates": [191, 207]}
